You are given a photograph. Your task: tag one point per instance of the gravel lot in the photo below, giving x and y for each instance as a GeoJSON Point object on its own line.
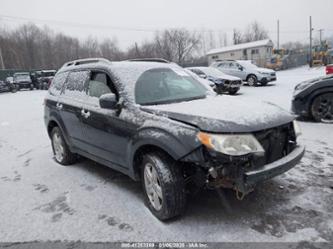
{"type": "Point", "coordinates": [41, 200]}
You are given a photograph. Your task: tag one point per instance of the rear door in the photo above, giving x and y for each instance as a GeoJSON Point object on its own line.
{"type": "Point", "coordinates": [234, 70]}
{"type": "Point", "coordinates": [70, 104]}
{"type": "Point", "coordinates": [106, 134]}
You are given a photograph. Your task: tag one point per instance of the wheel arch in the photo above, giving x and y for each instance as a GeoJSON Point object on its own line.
{"type": "Point", "coordinates": [55, 123]}
{"type": "Point", "coordinates": [162, 141]}
{"type": "Point", "coordinates": [251, 74]}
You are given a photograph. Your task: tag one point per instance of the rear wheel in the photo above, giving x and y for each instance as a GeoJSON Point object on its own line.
{"type": "Point", "coordinates": [252, 80]}
{"type": "Point", "coordinates": [61, 151]}
{"type": "Point", "coordinates": [163, 185]}
{"type": "Point", "coordinates": [322, 108]}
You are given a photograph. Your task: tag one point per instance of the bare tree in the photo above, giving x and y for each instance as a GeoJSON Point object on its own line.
{"type": "Point", "coordinates": [255, 32]}
{"type": "Point", "coordinates": [237, 37]}
{"type": "Point", "coordinates": [176, 44]}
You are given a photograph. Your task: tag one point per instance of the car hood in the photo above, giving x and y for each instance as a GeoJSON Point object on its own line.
{"type": "Point", "coordinates": [229, 77]}
{"type": "Point", "coordinates": [225, 114]}
{"type": "Point", "coordinates": [265, 70]}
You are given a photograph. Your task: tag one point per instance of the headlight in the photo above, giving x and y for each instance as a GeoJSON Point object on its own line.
{"type": "Point", "coordinates": [265, 73]}
{"type": "Point", "coordinates": [233, 145]}
{"type": "Point", "coordinates": [297, 129]}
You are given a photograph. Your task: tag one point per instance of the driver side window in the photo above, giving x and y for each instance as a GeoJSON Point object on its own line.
{"type": "Point", "coordinates": [99, 84]}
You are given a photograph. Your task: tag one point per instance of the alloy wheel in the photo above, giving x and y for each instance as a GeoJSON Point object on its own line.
{"type": "Point", "coordinates": [153, 186]}
{"type": "Point", "coordinates": [58, 147]}
{"type": "Point", "coordinates": [322, 108]}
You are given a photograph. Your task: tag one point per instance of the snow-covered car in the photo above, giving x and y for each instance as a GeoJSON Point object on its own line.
{"type": "Point", "coordinates": [23, 81]}
{"type": "Point", "coordinates": [247, 71]}
{"type": "Point", "coordinates": [7, 86]}
{"type": "Point", "coordinates": [155, 122]}
{"type": "Point", "coordinates": [222, 82]}
{"type": "Point", "coordinates": [44, 78]}
{"type": "Point", "coordinates": [314, 99]}
{"type": "Point", "coordinates": [9, 80]}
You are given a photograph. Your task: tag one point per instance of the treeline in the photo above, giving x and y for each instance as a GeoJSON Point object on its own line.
{"type": "Point", "coordinates": [32, 47]}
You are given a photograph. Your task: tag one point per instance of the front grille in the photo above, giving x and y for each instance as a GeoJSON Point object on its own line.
{"type": "Point", "coordinates": [272, 74]}
{"type": "Point", "coordinates": [277, 143]}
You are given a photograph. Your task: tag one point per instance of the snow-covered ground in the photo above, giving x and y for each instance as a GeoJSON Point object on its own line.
{"type": "Point", "coordinates": [41, 200]}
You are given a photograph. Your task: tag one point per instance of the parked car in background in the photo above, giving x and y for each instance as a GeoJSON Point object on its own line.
{"type": "Point", "coordinates": [314, 99]}
{"type": "Point", "coordinates": [9, 80]}
{"type": "Point", "coordinates": [23, 81]}
{"type": "Point", "coordinates": [7, 86]}
{"type": "Point", "coordinates": [155, 122]}
{"type": "Point", "coordinates": [44, 78]}
{"type": "Point", "coordinates": [329, 69]}
{"type": "Point", "coordinates": [222, 82]}
{"type": "Point", "coordinates": [247, 71]}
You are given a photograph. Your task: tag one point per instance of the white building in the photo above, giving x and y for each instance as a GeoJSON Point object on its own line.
{"type": "Point", "coordinates": [259, 51]}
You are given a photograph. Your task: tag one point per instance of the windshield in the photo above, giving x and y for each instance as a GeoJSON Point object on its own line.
{"type": "Point", "coordinates": [22, 77]}
{"type": "Point", "coordinates": [48, 74]}
{"type": "Point", "coordinates": [166, 85]}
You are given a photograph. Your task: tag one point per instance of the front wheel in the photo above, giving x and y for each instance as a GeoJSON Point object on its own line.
{"type": "Point", "coordinates": [61, 151]}
{"type": "Point", "coordinates": [252, 80]}
{"type": "Point", "coordinates": [233, 91]}
{"type": "Point", "coordinates": [163, 185]}
{"type": "Point", "coordinates": [322, 108]}
{"type": "Point", "coordinates": [31, 87]}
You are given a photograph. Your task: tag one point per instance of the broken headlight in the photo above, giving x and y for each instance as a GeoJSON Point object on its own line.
{"type": "Point", "coordinates": [233, 145]}
{"type": "Point", "coordinates": [297, 129]}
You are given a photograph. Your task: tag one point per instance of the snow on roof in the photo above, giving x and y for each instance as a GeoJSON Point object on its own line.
{"type": "Point", "coordinates": [260, 43]}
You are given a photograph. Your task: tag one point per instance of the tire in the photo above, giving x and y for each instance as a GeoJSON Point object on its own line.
{"type": "Point", "coordinates": [163, 185]}
{"type": "Point", "coordinates": [13, 89]}
{"type": "Point", "coordinates": [31, 87]}
{"type": "Point", "coordinates": [61, 151]}
{"type": "Point", "coordinates": [233, 91]}
{"type": "Point", "coordinates": [252, 80]}
{"type": "Point", "coordinates": [322, 108]}
{"type": "Point", "coordinates": [264, 83]}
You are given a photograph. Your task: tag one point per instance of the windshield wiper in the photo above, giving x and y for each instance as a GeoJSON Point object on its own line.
{"type": "Point", "coordinates": [171, 101]}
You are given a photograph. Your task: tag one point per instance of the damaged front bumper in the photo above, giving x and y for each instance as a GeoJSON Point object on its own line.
{"type": "Point", "coordinates": [250, 178]}
{"type": "Point", "coordinates": [243, 180]}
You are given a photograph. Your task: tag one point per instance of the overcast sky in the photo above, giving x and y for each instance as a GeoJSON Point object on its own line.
{"type": "Point", "coordinates": [136, 20]}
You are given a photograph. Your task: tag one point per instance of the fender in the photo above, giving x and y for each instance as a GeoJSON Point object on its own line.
{"type": "Point", "coordinates": [177, 146]}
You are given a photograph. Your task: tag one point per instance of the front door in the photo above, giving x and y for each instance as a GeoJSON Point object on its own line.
{"type": "Point", "coordinates": [106, 133]}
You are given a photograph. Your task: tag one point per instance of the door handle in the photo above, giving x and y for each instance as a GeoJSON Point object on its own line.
{"type": "Point", "coordinates": [85, 113]}
{"type": "Point", "coordinates": [59, 106]}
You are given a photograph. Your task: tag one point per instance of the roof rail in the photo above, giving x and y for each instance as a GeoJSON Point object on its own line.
{"type": "Point", "coordinates": [150, 60]}
{"type": "Point", "coordinates": [85, 61]}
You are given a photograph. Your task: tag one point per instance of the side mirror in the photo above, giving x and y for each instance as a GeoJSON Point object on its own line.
{"type": "Point", "coordinates": [203, 76]}
{"type": "Point", "coordinates": [108, 101]}
{"type": "Point", "coordinates": [240, 68]}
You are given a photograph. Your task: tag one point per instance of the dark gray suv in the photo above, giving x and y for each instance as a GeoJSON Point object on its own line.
{"type": "Point", "coordinates": [155, 122]}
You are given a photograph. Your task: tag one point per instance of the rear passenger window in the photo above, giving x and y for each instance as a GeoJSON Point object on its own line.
{"type": "Point", "coordinates": [57, 83]}
{"type": "Point", "coordinates": [75, 84]}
